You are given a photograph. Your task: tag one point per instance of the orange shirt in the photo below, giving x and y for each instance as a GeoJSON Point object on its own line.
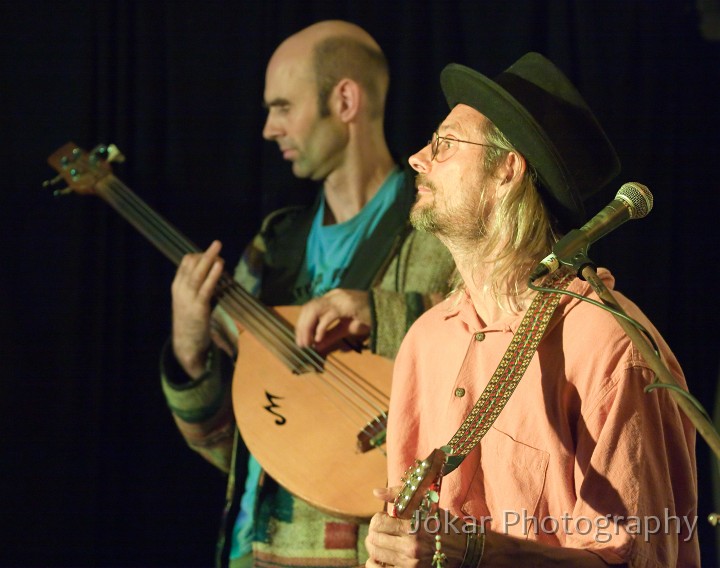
{"type": "Point", "coordinates": [579, 457]}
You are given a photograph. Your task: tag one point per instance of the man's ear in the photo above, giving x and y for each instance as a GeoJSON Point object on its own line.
{"type": "Point", "coordinates": [512, 169]}
{"type": "Point", "coordinates": [347, 99]}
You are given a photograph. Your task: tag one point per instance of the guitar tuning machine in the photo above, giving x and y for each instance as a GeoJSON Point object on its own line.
{"type": "Point", "coordinates": [107, 153]}
{"type": "Point", "coordinates": [67, 160]}
{"type": "Point", "coordinates": [56, 192]}
{"type": "Point", "coordinates": [115, 155]}
{"type": "Point", "coordinates": [53, 181]}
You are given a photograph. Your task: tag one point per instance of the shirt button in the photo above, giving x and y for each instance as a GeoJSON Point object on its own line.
{"type": "Point", "coordinates": [459, 392]}
{"type": "Point", "coordinates": [479, 336]}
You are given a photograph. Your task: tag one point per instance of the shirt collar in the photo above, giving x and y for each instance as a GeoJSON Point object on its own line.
{"type": "Point", "coordinates": [460, 306]}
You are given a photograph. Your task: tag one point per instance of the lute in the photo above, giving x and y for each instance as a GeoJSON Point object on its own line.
{"type": "Point", "coordinates": [316, 423]}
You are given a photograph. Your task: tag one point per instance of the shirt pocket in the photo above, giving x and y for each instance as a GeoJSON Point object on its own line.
{"type": "Point", "coordinates": [508, 484]}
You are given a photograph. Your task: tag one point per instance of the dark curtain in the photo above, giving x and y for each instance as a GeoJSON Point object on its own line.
{"type": "Point", "coordinates": [93, 472]}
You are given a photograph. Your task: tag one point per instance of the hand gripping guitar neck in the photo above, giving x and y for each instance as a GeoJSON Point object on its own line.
{"type": "Point", "coordinates": [419, 496]}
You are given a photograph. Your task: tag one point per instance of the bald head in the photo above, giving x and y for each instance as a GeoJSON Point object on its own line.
{"type": "Point", "coordinates": [333, 50]}
{"type": "Point", "coordinates": [331, 28]}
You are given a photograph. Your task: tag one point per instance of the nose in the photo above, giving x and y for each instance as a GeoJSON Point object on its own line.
{"type": "Point", "coordinates": [271, 130]}
{"type": "Point", "coordinates": [420, 161]}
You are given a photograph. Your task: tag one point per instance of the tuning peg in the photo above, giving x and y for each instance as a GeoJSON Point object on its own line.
{"type": "Point", "coordinates": [107, 153]}
{"type": "Point", "coordinates": [49, 182]}
{"type": "Point", "coordinates": [114, 154]}
{"type": "Point", "coordinates": [56, 192]}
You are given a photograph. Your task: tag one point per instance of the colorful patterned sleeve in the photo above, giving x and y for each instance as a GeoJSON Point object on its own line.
{"type": "Point", "coordinates": [414, 281]}
{"type": "Point", "coordinates": [202, 409]}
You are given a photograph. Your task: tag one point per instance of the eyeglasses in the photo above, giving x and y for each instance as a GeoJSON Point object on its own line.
{"type": "Point", "coordinates": [444, 147]}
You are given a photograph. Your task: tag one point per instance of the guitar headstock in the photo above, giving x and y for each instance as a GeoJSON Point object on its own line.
{"type": "Point", "coordinates": [421, 484]}
{"type": "Point", "coordinates": [82, 170]}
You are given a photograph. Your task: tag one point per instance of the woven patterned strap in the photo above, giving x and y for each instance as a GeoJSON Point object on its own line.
{"type": "Point", "coordinates": [510, 370]}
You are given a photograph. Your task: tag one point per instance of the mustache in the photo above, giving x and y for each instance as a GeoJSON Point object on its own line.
{"type": "Point", "coordinates": [421, 179]}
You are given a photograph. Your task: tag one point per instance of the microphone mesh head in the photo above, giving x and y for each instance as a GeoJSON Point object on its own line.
{"type": "Point", "coordinates": [637, 197]}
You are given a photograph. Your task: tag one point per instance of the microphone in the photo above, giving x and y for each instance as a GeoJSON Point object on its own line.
{"type": "Point", "coordinates": [633, 201]}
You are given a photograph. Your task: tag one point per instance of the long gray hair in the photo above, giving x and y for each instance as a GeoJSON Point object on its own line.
{"type": "Point", "coordinates": [519, 233]}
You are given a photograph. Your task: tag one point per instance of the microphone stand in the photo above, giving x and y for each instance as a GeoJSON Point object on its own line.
{"type": "Point", "coordinates": [704, 426]}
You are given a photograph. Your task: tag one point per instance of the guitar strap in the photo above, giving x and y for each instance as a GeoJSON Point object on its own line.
{"type": "Point", "coordinates": [506, 377]}
{"type": "Point", "coordinates": [502, 384]}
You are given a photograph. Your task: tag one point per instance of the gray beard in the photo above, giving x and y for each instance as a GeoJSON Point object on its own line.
{"type": "Point", "coordinates": [462, 229]}
{"type": "Point", "coordinates": [425, 219]}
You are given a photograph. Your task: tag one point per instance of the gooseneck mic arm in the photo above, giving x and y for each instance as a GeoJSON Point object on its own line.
{"type": "Point", "coordinates": [633, 201]}
{"type": "Point", "coordinates": [687, 404]}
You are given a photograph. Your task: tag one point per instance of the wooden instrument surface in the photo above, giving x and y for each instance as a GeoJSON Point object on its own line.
{"type": "Point", "coordinates": [303, 428]}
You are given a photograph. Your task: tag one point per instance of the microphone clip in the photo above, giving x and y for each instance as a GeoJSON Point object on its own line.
{"type": "Point", "coordinates": [579, 261]}
{"type": "Point", "coordinates": [566, 252]}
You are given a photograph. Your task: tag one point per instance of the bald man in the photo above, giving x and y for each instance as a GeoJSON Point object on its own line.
{"type": "Point", "coordinates": [351, 260]}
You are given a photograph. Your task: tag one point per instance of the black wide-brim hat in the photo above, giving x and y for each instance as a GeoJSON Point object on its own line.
{"type": "Point", "coordinates": [546, 119]}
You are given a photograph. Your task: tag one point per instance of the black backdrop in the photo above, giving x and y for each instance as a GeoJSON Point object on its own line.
{"type": "Point", "coordinates": [93, 472]}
